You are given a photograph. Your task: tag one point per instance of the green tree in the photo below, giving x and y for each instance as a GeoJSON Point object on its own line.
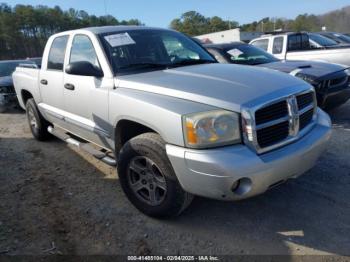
{"type": "Point", "coordinates": [194, 23]}
{"type": "Point", "coordinates": [24, 29]}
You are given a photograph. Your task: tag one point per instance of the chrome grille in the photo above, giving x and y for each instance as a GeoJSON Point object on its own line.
{"type": "Point", "coordinates": [305, 119]}
{"type": "Point", "coordinates": [273, 134]}
{"type": "Point", "coordinates": [337, 80]}
{"type": "Point", "coordinates": [272, 112]}
{"type": "Point", "coordinates": [304, 100]}
{"type": "Point", "coordinates": [280, 122]}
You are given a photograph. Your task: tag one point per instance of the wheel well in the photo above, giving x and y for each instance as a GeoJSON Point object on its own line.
{"type": "Point", "coordinates": [25, 96]}
{"type": "Point", "coordinates": [127, 129]}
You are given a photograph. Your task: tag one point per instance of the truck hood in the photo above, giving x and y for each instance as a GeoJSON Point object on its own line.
{"type": "Point", "coordinates": [6, 81]}
{"type": "Point", "coordinates": [221, 85]}
{"type": "Point", "coordinates": [316, 69]}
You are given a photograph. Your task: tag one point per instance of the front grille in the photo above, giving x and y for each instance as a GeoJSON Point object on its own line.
{"type": "Point", "coordinates": [277, 123]}
{"type": "Point", "coordinates": [272, 112]}
{"type": "Point", "coordinates": [305, 119]}
{"type": "Point", "coordinates": [304, 100]}
{"type": "Point", "coordinates": [338, 81]}
{"type": "Point", "coordinates": [273, 134]}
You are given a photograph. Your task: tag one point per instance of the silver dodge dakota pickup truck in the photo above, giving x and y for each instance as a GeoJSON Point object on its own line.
{"type": "Point", "coordinates": [175, 123]}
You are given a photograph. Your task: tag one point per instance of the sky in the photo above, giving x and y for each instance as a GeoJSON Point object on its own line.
{"type": "Point", "coordinates": [160, 12]}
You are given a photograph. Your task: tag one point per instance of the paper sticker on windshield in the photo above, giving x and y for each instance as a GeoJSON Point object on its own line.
{"type": "Point", "coordinates": [119, 39]}
{"type": "Point", "coordinates": [235, 52]}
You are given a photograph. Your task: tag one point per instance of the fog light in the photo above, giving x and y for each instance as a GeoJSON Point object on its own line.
{"type": "Point", "coordinates": [242, 186]}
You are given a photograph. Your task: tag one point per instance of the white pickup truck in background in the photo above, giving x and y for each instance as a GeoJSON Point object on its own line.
{"type": "Point", "coordinates": [297, 46]}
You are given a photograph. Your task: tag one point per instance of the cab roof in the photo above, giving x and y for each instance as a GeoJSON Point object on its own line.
{"type": "Point", "coordinates": [98, 30]}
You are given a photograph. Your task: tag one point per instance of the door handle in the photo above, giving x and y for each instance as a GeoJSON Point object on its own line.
{"type": "Point", "coordinates": [43, 81]}
{"type": "Point", "coordinates": [69, 86]}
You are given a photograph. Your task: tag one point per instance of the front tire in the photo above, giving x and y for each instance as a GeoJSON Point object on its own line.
{"type": "Point", "coordinates": [148, 179]}
{"type": "Point", "coordinates": [38, 125]}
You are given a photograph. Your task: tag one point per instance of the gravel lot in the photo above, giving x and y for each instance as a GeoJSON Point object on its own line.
{"type": "Point", "coordinates": [57, 200]}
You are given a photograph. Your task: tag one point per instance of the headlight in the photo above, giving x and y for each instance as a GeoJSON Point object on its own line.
{"type": "Point", "coordinates": [347, 71]}
{"type": "Point", "coordinates": [211, 129]}
{"type": "Point", "coordinates": [307, 78]}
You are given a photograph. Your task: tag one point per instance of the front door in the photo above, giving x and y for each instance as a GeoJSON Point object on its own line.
{"type": "Point", "coordinates": [86, 97]}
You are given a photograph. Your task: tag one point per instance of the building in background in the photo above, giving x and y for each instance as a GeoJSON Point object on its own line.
{"type": "Point", "coordinates": [227, 36]}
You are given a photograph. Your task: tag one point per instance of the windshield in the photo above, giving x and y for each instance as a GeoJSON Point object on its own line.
{"type": "Point", "coordinates": [7, 68]}
{"type": "Point", "coordinates": [143, 50]}
{"type": "Point", "coordinates": [249, 55]}
{"type": "Point", "coordinates": [321, 40]}
{"type": "Point", "coordinates": [342, 37]}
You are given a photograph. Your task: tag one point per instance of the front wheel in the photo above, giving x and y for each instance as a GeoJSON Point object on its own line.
{"type": "Point", "coordinates": [38, 125]}
{"type": "Point", "coordinates": [148, 179]}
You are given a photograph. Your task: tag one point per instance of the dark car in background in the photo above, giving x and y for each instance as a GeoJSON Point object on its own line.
{"type": "Point", "coordinates": [35, 60]}
{"type": "Point", "coordinates": [337, 37]}
{"type": "Point", "coordinates": [7, 92]}
{"type": "Point", "coordinates": [331, 81]}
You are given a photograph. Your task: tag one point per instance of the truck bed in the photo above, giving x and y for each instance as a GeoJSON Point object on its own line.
{"type": "Point", "coordinates": [334, 55]}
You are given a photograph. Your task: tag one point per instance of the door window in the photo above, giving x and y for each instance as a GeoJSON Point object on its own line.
{"type": "Point", "coordinates": [298, 42]}
{"type": "Point", "coordinates": [277, 45]}
{"type": "Point", "coordinates": [57, 53]}
{"type": "Point", "coordinates": [83, 51]}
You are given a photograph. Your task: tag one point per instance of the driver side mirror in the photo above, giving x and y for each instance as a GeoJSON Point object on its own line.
{"type": "Point", "coordinates": [83, 68]}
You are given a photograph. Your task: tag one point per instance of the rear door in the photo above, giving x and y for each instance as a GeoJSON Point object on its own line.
{"type": "Point", "coordinates": [51, 79]}
{"type": "Point", "coordinates": [86, 97]}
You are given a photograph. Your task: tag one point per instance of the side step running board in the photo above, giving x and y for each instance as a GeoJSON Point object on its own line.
{"type": "Point", "coordinates": [104, 157]}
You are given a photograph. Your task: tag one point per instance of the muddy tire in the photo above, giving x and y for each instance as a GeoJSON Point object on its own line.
{"type": "Point", "coordinates": [148, 179]}
{"type": "Point", "coordinates": [38, 125]}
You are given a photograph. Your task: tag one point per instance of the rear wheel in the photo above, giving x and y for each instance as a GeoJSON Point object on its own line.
{"type": "Point", "coordinates": [38, 125]}
{"type": "Point", "coordinates": [148, 179]}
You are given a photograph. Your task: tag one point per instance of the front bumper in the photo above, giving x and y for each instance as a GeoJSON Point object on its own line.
{"type": "Point", "coordinates": [213, 173]}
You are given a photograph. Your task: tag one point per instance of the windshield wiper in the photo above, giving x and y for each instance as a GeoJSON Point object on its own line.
{"type": "Point", "coordinates": [192, 62]}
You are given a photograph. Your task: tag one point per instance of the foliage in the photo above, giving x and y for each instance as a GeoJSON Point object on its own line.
{"type": "Point", "coordinates": [24, 29]}
{"type": "Point", "coordinates": [193, 23]}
